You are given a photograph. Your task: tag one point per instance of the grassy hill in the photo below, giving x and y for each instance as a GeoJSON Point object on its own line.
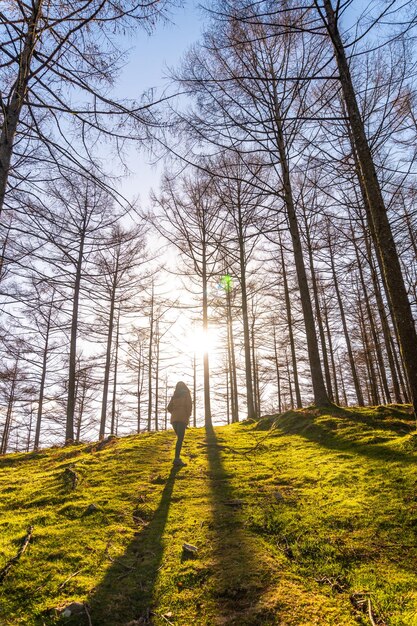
{"type": "Point", "coordinates": [305, 518]}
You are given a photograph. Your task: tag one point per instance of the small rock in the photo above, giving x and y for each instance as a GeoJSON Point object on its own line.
{"type": "Point", "coordinates": [92, 508]}
{"type": "Point", "coordinates": [278, 496]}
{"type": "Point", "coordinates": [189, 549]}
{"type": "Point", "coordinates": [75, 608]}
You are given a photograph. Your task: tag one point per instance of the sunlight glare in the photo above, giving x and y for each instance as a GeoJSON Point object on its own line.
{"type": "Point", "coordinates": [202, 342]}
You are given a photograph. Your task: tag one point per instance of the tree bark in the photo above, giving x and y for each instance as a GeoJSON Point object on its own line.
{"type": "Point", "coordinates": [12, 111]}
{"type": "Point", "coordinates": [69, 430]}
{"type": "Point", "coordinates": [383, 320]}
{"type": "Point", "coordinates": [232, 359]}
{"type": "Point", "coordinates": [319, 389]}
{"type": "Point", "coordinates": [206, 361]}
{"type": "Point", "coordinates": [245, 316]}
{"type": "Point", "coordinates": [318, 310]}
{"type": "Point", "coordinates": [290, 331]}
{"type": "Point", "coordinates": [157, 376]}
{"type": "Point", "coordinates": [150, 357]}
{"type": "Point", "coordinates": [277, 370]}
{"type": "Point", "coordinates": [116, 361]}
{"type": "Point", "coordinates": [384, 240]}
{"type": "Point", "coordinates": [43, 378]}
{"type": "Point", "coordinates": [356, 384]}
{"type": "Point", "coordinates": [331, 351]}
{"type": "Point", "coordinates": [371, 319]}
{"type": "Point", "coordinates": [369, 357]}
{"type": "Point", "coordinates": [108, 358]}
{"type": "Point", "coordinates": [8, 420]}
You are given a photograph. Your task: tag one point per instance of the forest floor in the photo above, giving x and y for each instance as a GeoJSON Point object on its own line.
{"type": "Point", "coordinates": [305, 518]}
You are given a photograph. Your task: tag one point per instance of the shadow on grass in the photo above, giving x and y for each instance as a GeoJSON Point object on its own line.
{"type": "Point", "coordinates": [329, 435]}
{"type": "Point", "coordinates": [126, 592]}
{"type": "Point", "coordinates": [240, 578]}
{"type": "Point", "coordinates": [8, 460]}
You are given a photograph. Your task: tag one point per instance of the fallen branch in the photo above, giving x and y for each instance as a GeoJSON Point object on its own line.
{"type": "Point", "coordinates": [62, 585]}
{"type": "Point", "coordinates": [163, 617]}
{"type": "Point", "coordinates": [362, 601]}
{"type": "Point", "coordinates": [15, 559]}
{"type": "Point", "coordinates": [88, 615]}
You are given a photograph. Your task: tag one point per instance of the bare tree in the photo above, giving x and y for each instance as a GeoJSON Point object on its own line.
{"type": "Point", "coordinates": [187, 216]}
{"type": "Point", "coordinates": [52, 50]}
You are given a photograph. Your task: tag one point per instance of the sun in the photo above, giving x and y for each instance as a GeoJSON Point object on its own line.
{"type": "Point", "coordinates": [202, 342]}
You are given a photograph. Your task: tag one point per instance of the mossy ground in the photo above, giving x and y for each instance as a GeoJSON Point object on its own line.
{"type": "Point", "coordinates": [296, 520]}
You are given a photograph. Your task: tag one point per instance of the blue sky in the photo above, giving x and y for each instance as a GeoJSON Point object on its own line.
{"type": "Point", "coordinates": [148, 62]}
{"type": "Point", "coordinates": [149, 59]}
{"type": "Point", "coordinates": [152, 54]}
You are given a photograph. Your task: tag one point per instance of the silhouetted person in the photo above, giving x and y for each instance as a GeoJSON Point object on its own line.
{"type": "Point", "coordinates": [180, 408]}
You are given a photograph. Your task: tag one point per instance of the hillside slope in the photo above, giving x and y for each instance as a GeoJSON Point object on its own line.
{"type": "Point", "coordinates": [308, 518]}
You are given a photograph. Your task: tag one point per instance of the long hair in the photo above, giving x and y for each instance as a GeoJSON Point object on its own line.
{"type": "Point", "coordinates": [181, 389]}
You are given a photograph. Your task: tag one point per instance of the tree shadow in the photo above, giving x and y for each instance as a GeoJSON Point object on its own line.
{"type": "Point", "coordinates": [392, 418]}
{"type": "Point", "coordinates": [240, 576]}
{"type": "Point", "coordinates": [328, 434]}
{"type": "Point", "coordinates": [126, 592]}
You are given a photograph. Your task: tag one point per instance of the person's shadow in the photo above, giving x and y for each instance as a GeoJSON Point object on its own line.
{"type": "Point", "coordinates": [126, 591]}
{"type": "Point", "coordinates": [239, 576]}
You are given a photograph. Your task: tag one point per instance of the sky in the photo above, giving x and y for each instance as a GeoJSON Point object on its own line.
{"type": "Point", "coordinates": [148, 62]}
{"type": "Point", "coordinates": [148, 65]}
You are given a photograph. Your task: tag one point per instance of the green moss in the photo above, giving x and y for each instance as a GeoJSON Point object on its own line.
{"type": "Point", "coordinates": [291, 516]}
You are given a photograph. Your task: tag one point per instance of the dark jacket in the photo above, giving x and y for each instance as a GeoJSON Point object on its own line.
{"type": "Point", "coordinates": [180, 408]}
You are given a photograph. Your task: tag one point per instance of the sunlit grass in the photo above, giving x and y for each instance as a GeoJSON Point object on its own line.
{"type": "Point", "coordinates": [292, 523]}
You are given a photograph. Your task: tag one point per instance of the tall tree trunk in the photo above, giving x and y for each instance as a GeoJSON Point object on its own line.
{"type": "Point", "coordinates": [116, 362]}
{"type": "Point", "coordinates": [29, 429]}
{"type": "Point", "coordinates": [206, 362]}
{"type": "Point", "coordinates": [229, 376]}
{"type": "Point", "coordinates": [383, 320]}
{"type": "Point", "coordinates": [5, 242]}
{"type": "Point", "coordinates": [81, 403]}
{"type": "Point", "coordinates": [108, 358]}
{"type": "Point", "coordinates": [69, 429]}
{"type": "Point", "coordinates": [342, 381]}
{"type": "Point", "coordinates": [411, 231]}
{"type": "Point", "coordinates": [355, 378]}
{"type": "Point", "coordinates": [290, 324]}
{"type": "Point", "coordinates": [139, 386]}
{"type": "Point", "coordinates": [319, 389]}
{"type": "Point", "coordinates": [43, 377]}
{"type": "Point", "coordinates": [166, 404]}
{"type": "Point", "coordinates": [317, 308]}
{"type": "Point", "coordinates": [150, 357]}
{"type": "Point", "coordinates": [381, 228]}
{"type": "Point", "coordinates": [277, 370]}
{"type": "Point", "coordinates": [12, 110]}
{"type": "Point", "coordinates": [194, 390]}
{"type": "Point", "coordinates": [157, 375]}
{"type": "Point", "coordinates": [245, 316]}
{"type": "Point", "coordinates": [369, 357]}
{"type": "Point", "coordinates": [381, 307]}
{"type": "Point", "coordinates": [227, 393]}
{"type": "Point", "coordinates": [232, 367]}
{"type": "Point", "coordinates": [253, 362]}
{"type": "Point", "coordinates": [9, 411]}
{"type": "Point", "coordinates": [331, 351]}
{"type": "Point", "coordinates": [371, 319]}
{"type": "Point", "coordinates": [289, 382]}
